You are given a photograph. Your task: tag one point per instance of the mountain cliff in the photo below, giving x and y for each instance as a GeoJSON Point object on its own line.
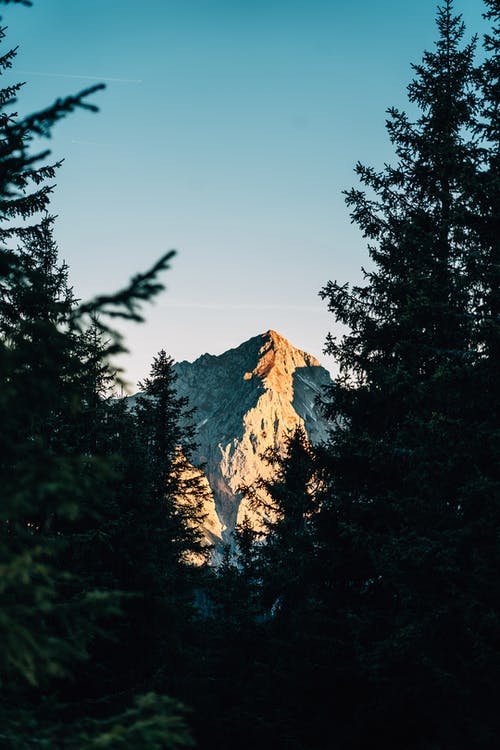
{"type": "Point", "coordinates": [248, 399]}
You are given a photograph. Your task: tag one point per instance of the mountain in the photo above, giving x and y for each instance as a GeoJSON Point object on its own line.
{"type": "Point", "coordinates": [246, 400]}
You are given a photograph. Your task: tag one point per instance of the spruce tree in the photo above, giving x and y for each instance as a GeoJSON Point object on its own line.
{"type": "Point", "coordinates": [168, 520]}
{"type": "Point", "coordinates": [53, 476]}
{"type": "Point", "coordinates": [294, 654]}
{"type": "Point", "coordinates": [410, 492]}
{"type": "Point", "coordinates": [165, 424]}
{"type": "Point", "coordinates": [487, 262]}
{"type": "Point", "coordinates": [290, 499]}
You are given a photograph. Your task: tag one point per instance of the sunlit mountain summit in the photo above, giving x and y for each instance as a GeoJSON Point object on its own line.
{"type": "Point", "coordinates": [247, 400]}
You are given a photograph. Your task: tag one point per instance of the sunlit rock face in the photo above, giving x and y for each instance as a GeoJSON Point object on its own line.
{"type": "Point", "coordinates": [203, 500]}
{"type": "Point", "coordinates": [249, 399]}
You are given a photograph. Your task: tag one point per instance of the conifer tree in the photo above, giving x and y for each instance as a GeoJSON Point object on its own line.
{"type": "Point", "coordinates": [262, 653]}
{"type": "Point", "coordinates": [290, 499]}
{"type": "Point", "coordinates": [168, 520]}
{"type": "Point", "coordinates": [487, 265]}
{"type": "Point", "coordinates": [51, 474]}
{"type": "Point", "coordinates": [410, 491]}
{"type": "Point", "coordinates": [166, 427]}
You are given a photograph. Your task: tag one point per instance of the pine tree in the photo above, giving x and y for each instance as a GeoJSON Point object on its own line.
{"type": "Point", "coordinates": [410, 492]}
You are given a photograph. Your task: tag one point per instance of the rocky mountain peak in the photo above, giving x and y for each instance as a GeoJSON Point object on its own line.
{"type": "Point", "coordinates": [277, 362]}
{"type": "Point", "coordinates": [247, 400]}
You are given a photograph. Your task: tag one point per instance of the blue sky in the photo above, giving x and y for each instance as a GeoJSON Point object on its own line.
{"type": "Point", "coordinates": [228, 130]}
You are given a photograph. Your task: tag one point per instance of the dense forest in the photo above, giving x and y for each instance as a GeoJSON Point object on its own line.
{"type": "Point", "coordinates": [368, 614]}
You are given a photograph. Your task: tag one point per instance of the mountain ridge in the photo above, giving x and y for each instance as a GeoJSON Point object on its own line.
{"type": "Point", "coordinates": [248, 399]}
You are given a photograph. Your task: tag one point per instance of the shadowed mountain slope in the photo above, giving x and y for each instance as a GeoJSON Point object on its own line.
{"type": "Point", "coordinates": [248, 399]}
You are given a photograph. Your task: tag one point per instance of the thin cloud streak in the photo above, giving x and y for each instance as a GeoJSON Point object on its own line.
{"type": "Point", "coordinates": [203, 306]}
{"type": "Point", "coordinates": [87, 143]}
{"type": "Point", "coordinates": [85, 78]}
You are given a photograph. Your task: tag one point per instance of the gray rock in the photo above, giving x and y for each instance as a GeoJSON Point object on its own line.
{"type": "Point", "coordinates": [247, 400]}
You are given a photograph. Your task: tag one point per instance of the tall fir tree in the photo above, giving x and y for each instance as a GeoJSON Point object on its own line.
{"type": "Point", "coordinates": [53, 476]}
{"type": "Point", "coordinates": [411, 493]}
{"type": "Point", "coordinates": [170, 519]}
{"type": "Point", "coordinates": [165, 424]}
{"type": "Point", "coordinates": [290, 500]}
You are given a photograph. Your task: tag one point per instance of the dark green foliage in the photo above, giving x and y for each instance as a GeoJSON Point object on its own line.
{"type": "Point", "coordinates": [62, 484]}
{"type": "Point", "coordinates": [414, 455]}
{"type": "Point", "coordinates": [18, 2]}
{"type": "Point", "coordinates": [153, 721]}
{"type": "Point", "coordinates": [167, 433]}
{"type": "Point", "coordinates": [290, 501]}
{"type": "Point", "coordinates": [164, 527]}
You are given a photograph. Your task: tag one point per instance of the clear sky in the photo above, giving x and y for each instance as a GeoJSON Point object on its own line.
{"type": "Point", "coordinates": [228, 130]}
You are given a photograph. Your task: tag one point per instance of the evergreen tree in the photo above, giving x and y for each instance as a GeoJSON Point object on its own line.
{"type": "Point", "coordinates": [412, 497]}
{"type": "Point", "coordinates": [169, 520]}
{"type": "Point", "coordinates": [487, 260]}
{"type": "Point", "coordinates": [294, 630]}
{"type": "Point", "coordinates": [290, 500]}
{"type": "Point", "coordinates": [53, 476]}
{"type": "Point", "coordinates": [166, 428]}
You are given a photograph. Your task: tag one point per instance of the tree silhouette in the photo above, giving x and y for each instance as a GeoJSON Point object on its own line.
{"type": "Point", "coordinates": [411, 489]}
{"type": "Point", "coordinates": [54, 473]}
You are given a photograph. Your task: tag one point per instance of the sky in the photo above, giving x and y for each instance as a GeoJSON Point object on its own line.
{"type": "Point", "coordinates": [228, 130]}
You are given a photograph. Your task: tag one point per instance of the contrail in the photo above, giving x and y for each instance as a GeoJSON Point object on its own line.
{"type": "Point", "coordinates": [85, 78]}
